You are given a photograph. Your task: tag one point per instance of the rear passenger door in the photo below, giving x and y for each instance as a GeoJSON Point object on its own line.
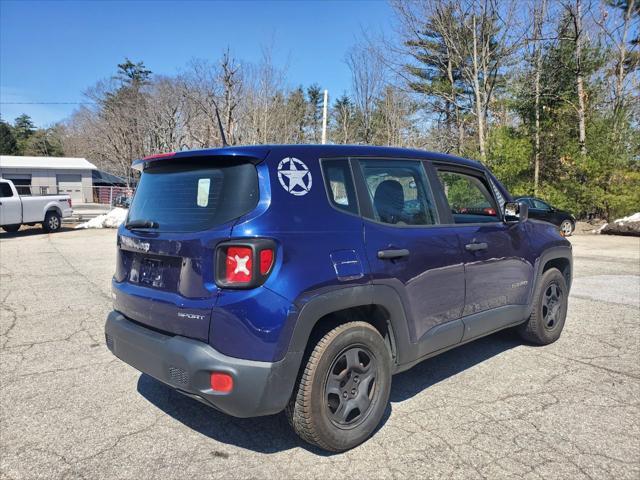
{"type": "Point", "coordinates": [497, 273]}
{"type": "Point", "coordinates": [408, 250]}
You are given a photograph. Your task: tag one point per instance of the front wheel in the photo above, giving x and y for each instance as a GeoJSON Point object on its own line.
{"type": "Point", "coordinates": [566, 227]}
{"type": "Point", "coordinates": [344, 388]}
{"type": "Point", "coordinates": [549, 312]}
{"type": "Point", "coordinates": [52, 222]}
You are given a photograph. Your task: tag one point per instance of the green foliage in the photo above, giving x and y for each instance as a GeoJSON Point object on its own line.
{"type": "Point", "coordinates": [509, 153]}
{"type": "Point", "coordinates": [43, 143]}
{"type": "Point", "coordinates": [23, 138]}
{"type": "Point", "coordinates": [8, 144]}
{"type": "Point", "coordinates": [133, 74]}
{"type": "Point", "coordinates": [23, 127]}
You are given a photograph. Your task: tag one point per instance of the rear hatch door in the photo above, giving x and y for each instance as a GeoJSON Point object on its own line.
{"type": "Point", "coordinates": [165, 267]}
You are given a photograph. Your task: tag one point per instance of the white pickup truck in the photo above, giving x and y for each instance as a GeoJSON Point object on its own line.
{"type": "Point", "coordinates": [16, 210]}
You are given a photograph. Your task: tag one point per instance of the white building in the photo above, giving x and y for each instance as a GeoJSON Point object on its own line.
{"type": "Point", "coordinates": [45, 175]}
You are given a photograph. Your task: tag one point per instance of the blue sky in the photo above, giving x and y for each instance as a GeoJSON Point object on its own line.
{"type": "Point", "coordinates": [52, 51]}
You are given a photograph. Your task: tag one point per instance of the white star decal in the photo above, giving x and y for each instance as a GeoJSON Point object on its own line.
{"type": "Point", "coordinates": [297, 175]}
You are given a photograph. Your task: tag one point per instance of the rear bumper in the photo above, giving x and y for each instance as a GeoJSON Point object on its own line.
{"type": "Point", "coordinates": [260, 388]}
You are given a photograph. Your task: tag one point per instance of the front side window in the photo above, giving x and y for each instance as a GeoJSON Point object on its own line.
{"type": "Point", "coordinates": [340, 189]}
{"type": "Point", "coordinates": [469, 198]}
{"type": "Point", "coordinates": [399, 192]}
{"type": "Point", "coordinates": [188, 196]}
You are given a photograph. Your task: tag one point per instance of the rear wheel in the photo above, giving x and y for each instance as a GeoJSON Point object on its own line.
{"type": "Point", "coordinates": [52, 222]}
{"type": "Point", "coordinates": [546, 322]}
{"type": "Point", "coordinates": [344, 388]}
{"type": "Point", "coordinates": [11, 228]}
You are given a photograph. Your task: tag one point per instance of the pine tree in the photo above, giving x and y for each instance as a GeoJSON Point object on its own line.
{"type": "Point", "coordinates": [8, 144]}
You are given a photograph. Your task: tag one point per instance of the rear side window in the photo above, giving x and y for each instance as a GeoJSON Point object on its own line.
{"type": "Point", "coordinates": [337, 177]}
{"type": "Point", "coordinates": [5, 190]}
{"type": "Point", "coordinates": [399, 192]}
{"type": "Point", "coordinates": [539, 204]}
{"type": "Point", "coordinates": [188, 196]}
{"type": "Point", "coordinates": [469, 198]}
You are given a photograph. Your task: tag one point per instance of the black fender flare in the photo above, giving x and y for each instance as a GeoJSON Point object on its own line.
{"type": "Point", "coordinates": [553, 253]}
{"type": "Point", "coordinates": [341, 298]}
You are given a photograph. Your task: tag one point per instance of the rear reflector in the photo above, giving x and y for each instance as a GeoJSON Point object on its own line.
{"type": "Point", "coordinates": [221, 382]}
{"type": "Point", "coordinates": [266, 260]}
{"type": "Point", "coordinates": [239, 264]}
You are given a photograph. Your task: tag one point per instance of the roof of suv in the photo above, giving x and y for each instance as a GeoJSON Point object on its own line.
{"type": "Point", "coordinates": [259, 152]}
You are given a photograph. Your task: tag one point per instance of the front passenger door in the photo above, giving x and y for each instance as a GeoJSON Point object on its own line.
{"type": "Point", "coordinates": [497, 271]}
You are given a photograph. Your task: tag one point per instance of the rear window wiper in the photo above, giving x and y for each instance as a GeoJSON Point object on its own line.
{"type": "Point", "coordinates": [141, 223]}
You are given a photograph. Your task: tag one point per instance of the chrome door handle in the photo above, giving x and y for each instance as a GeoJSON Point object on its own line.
{"type": "Point", "coordinates": [391, 254]}
{"type": "Point", "coordinates": [474, 247]}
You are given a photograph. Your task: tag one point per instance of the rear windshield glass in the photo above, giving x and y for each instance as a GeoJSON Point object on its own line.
{"type": "Point", "coordinates": [188, 196]}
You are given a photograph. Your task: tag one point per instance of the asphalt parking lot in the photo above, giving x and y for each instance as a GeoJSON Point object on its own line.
{"type": "Point", "coordinates": [492, 409]}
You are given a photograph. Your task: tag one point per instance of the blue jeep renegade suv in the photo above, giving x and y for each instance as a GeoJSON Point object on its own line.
{"type": "Point", "coordinates": [302, 277]}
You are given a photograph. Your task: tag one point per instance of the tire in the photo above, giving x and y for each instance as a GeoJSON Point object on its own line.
{"type": "Point", "coordinates": [348, 369]}
{"type": "Point", "coordinates": [547, 318]}
{"type": "Point", "coordinates": [52, 222]}
{"type": "Point", "coordinates": [567, 227]}
{"type": "Point", "coordinates": [11, 228]}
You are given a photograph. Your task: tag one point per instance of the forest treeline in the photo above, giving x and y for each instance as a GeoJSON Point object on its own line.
{"type": "Point", "coordinates": [544, 92]}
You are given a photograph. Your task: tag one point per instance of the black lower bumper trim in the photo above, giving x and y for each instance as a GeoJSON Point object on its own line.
{"type": "Point", "coordinates": [260, 388]}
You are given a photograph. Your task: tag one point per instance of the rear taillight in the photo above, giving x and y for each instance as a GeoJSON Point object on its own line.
{"type": "Point", "coordinates": [70, 202]}
{"type": "Point", "coordinates": [244, 263]}
{"type": "Point", "coordinates": [239, 265]}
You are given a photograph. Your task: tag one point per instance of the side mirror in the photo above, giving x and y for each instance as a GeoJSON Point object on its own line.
{"type": "Point", "coordinates": [516, 212]}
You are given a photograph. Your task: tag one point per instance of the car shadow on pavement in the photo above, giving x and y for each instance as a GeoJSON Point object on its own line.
{"type": "Point", "coordinates": [273, 434]}
{"type": "Point", "coordinates": [31, 231]}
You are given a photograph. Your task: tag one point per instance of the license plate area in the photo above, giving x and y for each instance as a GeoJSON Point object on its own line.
{"type": "Point", "coordinates": [155, 271]}
{"type": "Point", "coordinates": [151, 271]}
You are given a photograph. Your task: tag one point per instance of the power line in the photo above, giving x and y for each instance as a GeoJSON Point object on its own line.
{"type": "Point", "coordinates": [47, 103]}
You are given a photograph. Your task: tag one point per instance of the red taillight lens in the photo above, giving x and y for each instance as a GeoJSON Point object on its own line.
{"type": "Point", "coordinates": [70, 203]}
{"type": "Point", "coordinates": [239, 264]}
{"type": "Point", "coordinates": [221, 382]}
{"type": "Point", "coordinates": [266, 260]}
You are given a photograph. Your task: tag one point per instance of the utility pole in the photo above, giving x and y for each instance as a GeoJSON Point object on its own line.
{"type": "Point", "coordinates": [324, 117]}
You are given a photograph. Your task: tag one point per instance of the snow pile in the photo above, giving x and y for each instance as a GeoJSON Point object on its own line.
{"type": "Point", "coordinates": [113, 219]}
{"type": "Point", "coordinates": [631, 218]}
{"type": "Point", "coordinates": [623, 226]}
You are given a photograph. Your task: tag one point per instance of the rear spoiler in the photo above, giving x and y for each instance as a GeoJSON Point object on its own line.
{"type": "Point", "coordinates": [254, 155]}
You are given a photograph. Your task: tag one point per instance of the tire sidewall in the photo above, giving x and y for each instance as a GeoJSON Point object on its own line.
{"type": "Point", "coordinates": [47, 218]}
{"type": "Point", "coordinates": [345, 438]}
{"type": "Point", "coordinates": [551, 276]}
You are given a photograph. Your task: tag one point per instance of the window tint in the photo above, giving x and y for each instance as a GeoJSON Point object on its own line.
{"type": "Point", "coordinates": [189, 196]}
{"type": "Point", "coordinates": [337, 175]}
{"type": "Point", "coordinates": [399, 192]}
{"type": "Point", "coordinates": [469, 198]}
{"type": "Point", "coordinates": [5, 190]}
